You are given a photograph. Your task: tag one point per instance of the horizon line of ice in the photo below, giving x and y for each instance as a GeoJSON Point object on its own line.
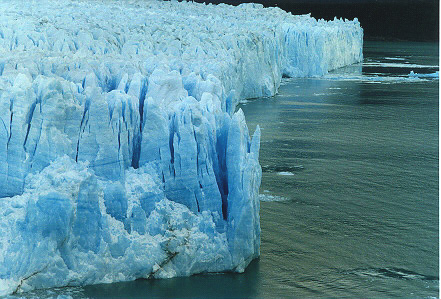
{"type": "Point", "coordinates": [121, 154]}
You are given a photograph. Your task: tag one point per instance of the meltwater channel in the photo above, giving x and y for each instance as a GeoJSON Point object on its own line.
{"type": "Point", "coordinates": [349, 204]}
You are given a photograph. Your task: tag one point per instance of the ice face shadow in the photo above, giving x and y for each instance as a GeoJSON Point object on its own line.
{"type": "Point", "coordinates": [226, 285]}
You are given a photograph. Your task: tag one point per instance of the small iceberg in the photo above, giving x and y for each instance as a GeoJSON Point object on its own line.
{"type": "Point", "coordinates": [285, 173]}
{"type": "Point", "coordinates": [267, 197]}
{"type": "Point", "coordinates": [417, 75]}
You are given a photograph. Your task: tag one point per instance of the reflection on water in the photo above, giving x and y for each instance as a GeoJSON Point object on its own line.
{"type": "Point", "coordinates": [349, 190]}
{"type": "Point", "coordinates": [223, 285]}
{"type": "Point", "coordinates": [362, 219]}
{"type": "Point", "coordinates": [198, 286]}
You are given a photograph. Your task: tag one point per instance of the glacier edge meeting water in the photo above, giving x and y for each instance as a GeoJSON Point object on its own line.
{"type": "Point", "coordinates": [121, 156]}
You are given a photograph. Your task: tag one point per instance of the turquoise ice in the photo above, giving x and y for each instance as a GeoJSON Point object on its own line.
{"type": "Point", "coordinates": [121, 154]}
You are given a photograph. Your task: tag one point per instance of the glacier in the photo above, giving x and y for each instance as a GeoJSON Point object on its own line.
{"type": "Point", "coordinates": [122, 155]}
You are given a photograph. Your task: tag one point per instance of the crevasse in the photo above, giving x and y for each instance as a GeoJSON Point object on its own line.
{"type": "Point", "coordinates": [121, 154]}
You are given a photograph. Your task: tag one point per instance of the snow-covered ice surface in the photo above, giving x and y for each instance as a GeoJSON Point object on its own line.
{"type": "Point", "coordinates": [121, 156]}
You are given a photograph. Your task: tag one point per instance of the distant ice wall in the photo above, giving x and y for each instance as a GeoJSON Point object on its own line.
{"type": "Point", "coordinates": [121, 154]}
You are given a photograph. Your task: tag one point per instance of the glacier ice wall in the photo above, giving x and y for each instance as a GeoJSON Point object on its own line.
{"type": "Point", "coordinates": [121, 154]}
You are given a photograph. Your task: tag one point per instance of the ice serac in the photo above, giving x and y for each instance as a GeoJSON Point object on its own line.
{"type": "Point", "coordinates": [121, 153]}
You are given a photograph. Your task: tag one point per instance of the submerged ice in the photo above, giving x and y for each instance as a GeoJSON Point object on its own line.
{"type": "Point", "coordinates": [121, 154]}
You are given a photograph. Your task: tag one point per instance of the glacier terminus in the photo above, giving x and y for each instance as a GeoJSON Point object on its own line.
{"type": "Point", "coordinates": [122, 155]}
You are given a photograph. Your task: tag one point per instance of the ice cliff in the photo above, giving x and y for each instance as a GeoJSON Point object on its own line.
{"type": "Point", "coordinates": [121, 154]}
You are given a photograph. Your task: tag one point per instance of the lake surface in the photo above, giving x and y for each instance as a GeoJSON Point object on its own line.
{"type": "Point", "coordinates": [355, 155]}
{"type": "Point", "coordinates": [349, 204]}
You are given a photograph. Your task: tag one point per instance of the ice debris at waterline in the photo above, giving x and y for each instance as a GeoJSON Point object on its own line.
{"type": "Point", "coordinates": [121, 155]}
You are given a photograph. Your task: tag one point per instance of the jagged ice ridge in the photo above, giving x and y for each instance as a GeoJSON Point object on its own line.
{"type": "Point", "coordinates": [121, 154]}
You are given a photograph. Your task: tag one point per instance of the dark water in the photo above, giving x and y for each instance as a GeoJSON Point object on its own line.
{"type": "Point", "coordinates": [349, 190]}
{"type": "Point", "coordinates": [356, 156]}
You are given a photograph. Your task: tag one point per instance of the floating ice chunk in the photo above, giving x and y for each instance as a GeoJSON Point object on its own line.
{"type": "Point", "coordinates": [265, 197]}
{"type": "Point", "coordinates": [398, 65]}
{"type": "Point", "coordinates": [285, 173]}
{"type": "Point", "coordinates": [394, 58]}
{"type": "Point", "coordinates": [417, 75]}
